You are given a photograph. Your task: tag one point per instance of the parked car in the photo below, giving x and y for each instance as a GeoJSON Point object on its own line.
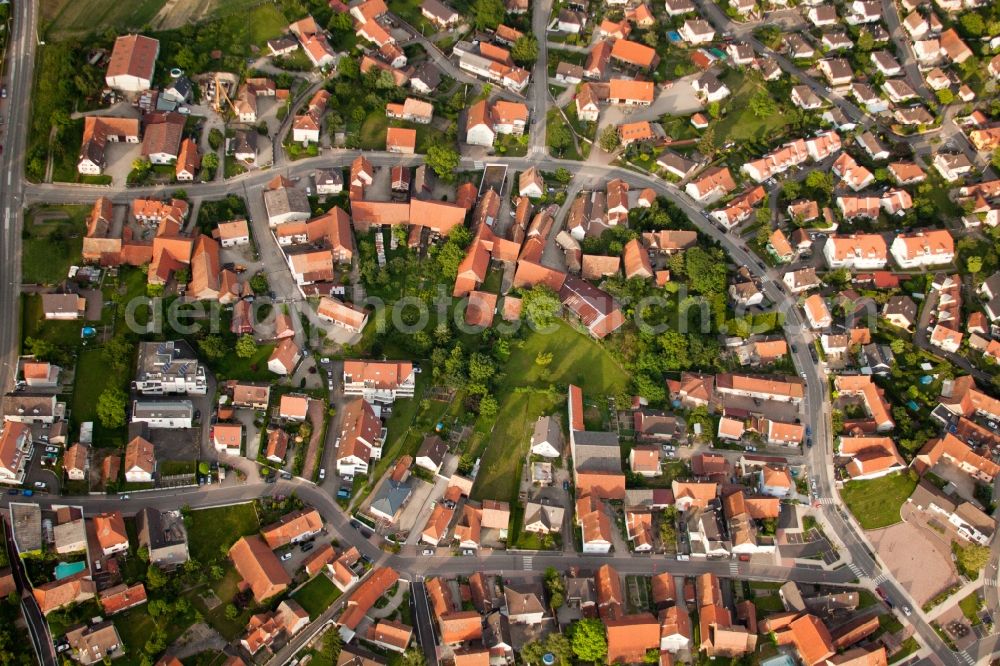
{"type": "Point", "coordinates": [124, 498]}
{"type": "Point", "coordinates": [322, 473]}
{"type": "Point", "coordinates": [286, 557]}
{"type": "Point", "coordinates": [13, 491]}
{"type": "Point", "coordinates": [41, 485]}
{"type": "Point", "coordinates": [306, 547]}
{"type": "Point", "coordinates": [286, 475]}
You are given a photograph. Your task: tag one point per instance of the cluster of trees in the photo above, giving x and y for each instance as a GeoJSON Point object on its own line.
{"type": "Point", "coordinates": [357, 95]}
{"type": "Point", "coordinates": [64, 77]}
{"type": "Point", "coordinates": [556, 588]}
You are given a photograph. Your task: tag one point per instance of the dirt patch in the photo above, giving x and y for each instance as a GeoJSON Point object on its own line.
{"type": "Point", "coordinates": [210, 600]}
{"type": "Point", "coordinates": [917, 557]}
{"type": "Point", "coordinates": [177, 13]}
{"type": "Point", "coordinates": [317, 414]}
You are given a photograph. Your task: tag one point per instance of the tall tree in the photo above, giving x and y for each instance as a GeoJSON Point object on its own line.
{"type": "Point", "coordinates": [589, 641]}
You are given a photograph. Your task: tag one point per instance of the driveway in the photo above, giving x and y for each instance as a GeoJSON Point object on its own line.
{"type": "Point", "coordinates": [250, 431]}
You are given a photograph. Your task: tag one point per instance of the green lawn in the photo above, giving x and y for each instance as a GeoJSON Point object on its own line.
{"type": "Point", "coordinates": [769, 604]}
{"type": "Point", "coordinates": [135, 627]}
{"type": "Point", "coordinates": [317, 595]}
{"type": "Point", "coordinates": [908, 647]}
{"type": "Point", "coordinates": [53, 240]}
{"type": "Point", "coordinates": [500, 468]}
{"type": "Point", "coordinates": [577, 359]}
{"type": "Point", "coordinates": [34, 325]}
{"type": "Point", "coordinates": [552, 121]}
{"type": "Point", "coordinates": [209, 530]}
{"type": "Point", "coordinates": [373, 129]}
{"type": "Point", "coordinates": [876, 503]}
{"type": "Point", "coordinates": [225, 589]}
{"type": "Point", "coordinates": [69, 17]}
{"type": "Point", "coordinates": [174, 467]}
{"type": "Point", "coordinates": [254, 368]}
{"type": "Point", "coordinates": [971, 605]}
{"type": "Point", "coordinates": [266, 22]}
{"type": "Point", "coordinates": [740, 124]}
{"type": "Point", "coordinates": [889, 622]}
{"type": "Point", "coordinates": [92, 377]}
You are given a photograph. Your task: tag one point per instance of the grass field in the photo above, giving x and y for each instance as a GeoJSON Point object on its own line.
{"type": "Point", "coordinates": [576, 359]}
{"type": "Point", "coordinates": [372, 133]}
{"type": "Point", "coordinates": [53, 240]}
{"type": "Point", "coordinates": [136, 626]}
{"type": "Point", "coordinates": [769, 604]}
{"type": "Point", "coordinates": [552, 121]}
{"type": "Point", "coordinates": [254, 368]}
{"type": "Point", "coordinates": [92, 379]}
{"type": "Point", "coordinates": [34, 324]}
{"type": "Point", "coordinates": [266, 22]}
{"type": "Point", "coordinates": [971, 605]}
{"type": "Point", "coordinates": [317, 595]}
{"type": "Point", "coordinates": [71, 17]}
{"type": "Point", "coordinates": [500, 469]}
{"type": "Point", "coordinates": [209, 530]}
{"type": "Point", "coordinates": [876, 503]}
{"type": "Point", "coordinates": [740, 124]}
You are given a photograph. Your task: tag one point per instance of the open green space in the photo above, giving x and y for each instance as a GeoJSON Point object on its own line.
{"type": "Point", "coordinates": [556, 127]}
{"type": "Point", "coordinates": [500, 467]}
{"type": "Point", "coordinates": [770, 603]}
{"type": "Point", "coordinates": [373, 129]}
{"type": "Point", "coordinates": [72, 18]}
{"type": "Point", "coordinates": [211, 530]}
{"type": "Point", "coordinates": [525, 395]}
{"type": "Point", "coordinates": [876, 502]}
{"type": "Point", "coordinates": [576, 359]}
{"type": "Point", "coordinates": [63, 334]}
{"type": "Point", "coordinates": [970, 606]}
{"type": "Point", "coordinates": [317, 595]}
{"type": "Point", "coordinates": [92, 377]}
{"type": "Point", "coordinates": [266, 22]}
{"type": "Point", "coordinates": [254, 368]}
{"type": "Point", "coordinates": [739, 123]}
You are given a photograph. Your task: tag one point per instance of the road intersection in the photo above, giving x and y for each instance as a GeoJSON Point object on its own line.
{"type": "Point", "coordinates": [16, 195]}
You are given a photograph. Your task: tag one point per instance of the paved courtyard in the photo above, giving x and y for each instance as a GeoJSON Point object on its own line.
{"type": "Point", "coordinates": [918, 558]}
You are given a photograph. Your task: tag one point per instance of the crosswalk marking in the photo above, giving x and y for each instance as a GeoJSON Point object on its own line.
{"type": "Point", "coordinates": [879, 579]}
{"type": "Point", "coordinates": [526, 562]}
{"type": "Point", "coordinates": [990, 582]}
{"type": "Point", "coordinates": [856, 570]}
{"type": "Point", "coordinates": [825, 500]}
{"type": "Point", "coordinates": [966, 658]}
{"type": "Point", "coordinates": [734, 568]}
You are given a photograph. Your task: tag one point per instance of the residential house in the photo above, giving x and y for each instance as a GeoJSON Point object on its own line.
{"type": "Point", "coordinates": [259, 568]}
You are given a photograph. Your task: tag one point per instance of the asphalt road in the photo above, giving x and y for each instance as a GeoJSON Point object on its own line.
{"type": "Point", "coordinates": [19, 67]}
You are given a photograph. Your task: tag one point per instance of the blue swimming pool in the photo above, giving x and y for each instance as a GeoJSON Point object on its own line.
{"type": "Point", "coordinates": [67, 569]}
{"type": "Point", "coordinates": [674, 36]}
{"type": "Point", "coordinates": [780, 660]}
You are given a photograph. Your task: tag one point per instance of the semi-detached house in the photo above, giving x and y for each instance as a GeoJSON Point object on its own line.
{"type": "Point", "coordinates": [921, 249]}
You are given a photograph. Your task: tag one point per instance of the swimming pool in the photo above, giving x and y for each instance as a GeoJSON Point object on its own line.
{"type": "Point", "coordinates": [67, 569]}
{"type": "Point", "coordinates": [780, 660]}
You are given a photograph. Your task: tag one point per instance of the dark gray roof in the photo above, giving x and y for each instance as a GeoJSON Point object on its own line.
{"type": "Point", "coordinates": [390, 496]}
